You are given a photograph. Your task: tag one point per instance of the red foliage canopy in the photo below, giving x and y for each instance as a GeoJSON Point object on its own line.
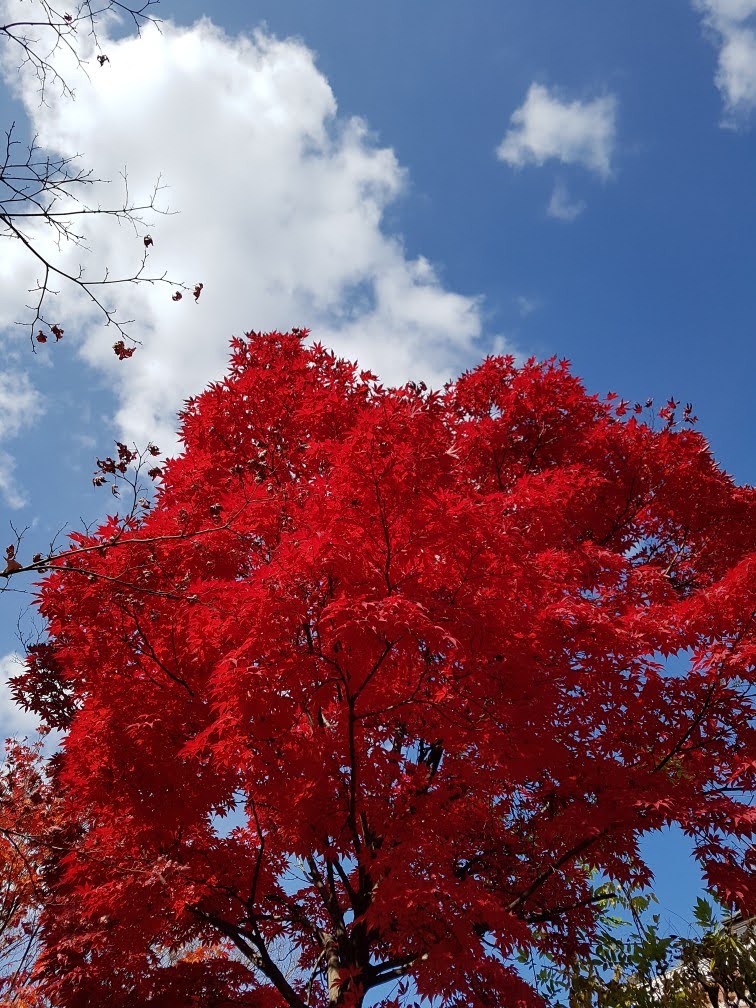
{"type": "Point", "coordinates": [29, 832]}
{"type": "Point", "coordinates": [378, 686]}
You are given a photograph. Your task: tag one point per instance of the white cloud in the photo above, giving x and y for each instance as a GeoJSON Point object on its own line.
{"type": "Point", "coordinates": [544, 128]}
{"type": "Point", "coordinates": [20, 405]}
{"type": "Point", "coordinates": [526, 305]}
{"type": "Point", "coordinates": [12, 493]}
{"type": "Point", "coordinates": [562, 206]}
{"type": "Point", "coordinates": [281, 208]}
{"type": "Point", "coordinates": [13, 720]}
{"type": "Point", "coordinates": [19, 402]}
{"type": "Point", "coordinates": [727, 10]}
{"type": "Point", "coordinates": [732, 26]}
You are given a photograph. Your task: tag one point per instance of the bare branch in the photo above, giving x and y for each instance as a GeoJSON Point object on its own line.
{"type": "Point", "coordinates": [46, 194]}
{"type": "Point", "coordinates": [51, 33]}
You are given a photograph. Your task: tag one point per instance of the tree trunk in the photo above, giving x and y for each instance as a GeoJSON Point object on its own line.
{"type": "Point", "coordinates": [343, 991]}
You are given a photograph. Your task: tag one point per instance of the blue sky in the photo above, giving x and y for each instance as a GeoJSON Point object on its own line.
{"type": "Point", "coordinates": [340, 171]}
{"type": "Point", "coordinates": [649, 290]}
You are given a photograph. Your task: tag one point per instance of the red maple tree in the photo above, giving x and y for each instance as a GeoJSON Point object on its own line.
{"type": "Point", "coordinates": [28, 828]}
{"type": "Point", "coordinates": [377, 689]}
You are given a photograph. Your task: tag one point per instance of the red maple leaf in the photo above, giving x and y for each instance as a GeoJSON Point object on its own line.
{"type": "Point", "coordinates": [123, 352]}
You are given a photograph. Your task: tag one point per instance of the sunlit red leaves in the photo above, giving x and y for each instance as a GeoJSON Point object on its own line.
{"type": "Point", "coordinates": [28, 824]}
{"type": "Point", "coordinates": [414, 635]}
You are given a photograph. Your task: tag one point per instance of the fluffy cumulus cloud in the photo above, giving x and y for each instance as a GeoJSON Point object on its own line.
{"type": "Point", "coordinates": [732, 24]}
{"type": "Point", "coordinates": [280, 205]}
{"type": "Point", "coordinates": [546, 127]}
